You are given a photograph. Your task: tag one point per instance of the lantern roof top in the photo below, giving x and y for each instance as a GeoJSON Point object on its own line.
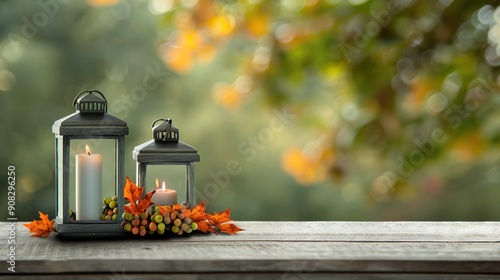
{"type": "Point", "coordinates": [90, 125]}
{"type": "Point", "coordinates": [90, 118]}
{"type": "Point", "coordinates": [153, 152]}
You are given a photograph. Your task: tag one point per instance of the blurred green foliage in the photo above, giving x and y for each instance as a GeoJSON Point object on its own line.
{"type": "Point", "coordinates": [300, 109]}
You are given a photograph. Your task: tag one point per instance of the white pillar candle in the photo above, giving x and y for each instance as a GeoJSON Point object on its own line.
{"type": "Point", "coordinates": [88, 186]}
{"type": "Point", "coordinates": [164, 196]}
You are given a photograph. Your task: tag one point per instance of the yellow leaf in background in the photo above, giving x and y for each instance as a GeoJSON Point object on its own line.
{"type": "Point", "coordinates": [257, 24]}
{"type": "Point", "coordinates": [178, 59]}
{"type": "Point", "coordinates": [228, 96]}
{"type": "Point", "coordinates": [302, 167]}
{"type": "Point", "coordinates": [221, 25]}
{"type": "Point", "coordinates": [102, 3]}
{"type": "Point", "coordinates": [469, 146]}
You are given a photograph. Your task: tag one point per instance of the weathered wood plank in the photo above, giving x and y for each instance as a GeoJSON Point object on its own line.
{"type": "Point", "coordinates": [348, 231]}
{"type": "Point", "coordinates": [275, 247]}
{"type": "Point", "coordinates": [242, 276]}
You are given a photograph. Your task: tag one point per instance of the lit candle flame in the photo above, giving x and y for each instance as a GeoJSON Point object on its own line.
{"type": "Point", "coordinates": [163, 186]}
{"type": "Point", "coordinates": [87, 149]}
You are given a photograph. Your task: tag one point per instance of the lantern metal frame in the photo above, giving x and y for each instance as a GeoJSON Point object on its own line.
{"type": "Point", "coordinates": [166, 149]}
{"type": "Point", "coordinates": [90, 121]}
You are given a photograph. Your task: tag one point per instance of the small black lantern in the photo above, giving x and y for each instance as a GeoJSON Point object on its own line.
{"type": "Point", "coordinates": [90, 122]}
{"type": "Point", "coordinates": [166, 149]}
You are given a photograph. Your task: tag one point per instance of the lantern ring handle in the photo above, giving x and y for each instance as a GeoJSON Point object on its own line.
{"type": "Point", "coordinates": [161, 119]}
{"type": "Point", "coordinates": [89, 91]}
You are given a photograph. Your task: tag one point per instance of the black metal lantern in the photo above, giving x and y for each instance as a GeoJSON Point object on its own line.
{"type": "Point", "coordinates": [90, 122]}
{"type": "Point", "coordinates": [166, 149]}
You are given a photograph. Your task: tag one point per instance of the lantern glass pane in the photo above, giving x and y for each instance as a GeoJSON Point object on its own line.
{"type": "Point", "coordinates": [59, 174]}
{"type": "Point", "coordinates": [106, 149]}
{"type": "Point", "coordinates": [173, 175]}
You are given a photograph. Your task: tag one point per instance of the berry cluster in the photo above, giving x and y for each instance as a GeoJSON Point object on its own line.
{"type": "Point", "coordinates": [110, 209]}
{"type": "Point", "coordinates": [159, 220]}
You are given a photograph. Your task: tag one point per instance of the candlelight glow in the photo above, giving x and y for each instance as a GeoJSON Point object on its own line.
{"type": "Point", "coordinates": [87, 149]}
{"type": "Point", "coordinates": [157, 184]}
{"type": "Point", "coordinates": [163, 186]}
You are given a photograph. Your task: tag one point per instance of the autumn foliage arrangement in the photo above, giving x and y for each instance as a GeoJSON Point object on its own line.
{"type": "Point", "coordinates": [142, 217]}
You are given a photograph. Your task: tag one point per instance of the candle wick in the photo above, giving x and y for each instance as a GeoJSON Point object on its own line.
{"type": "Point", "coordinates": [88, 153]}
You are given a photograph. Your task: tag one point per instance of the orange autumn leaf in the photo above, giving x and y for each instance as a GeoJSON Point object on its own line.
{"type": "Point", "coordinates": [222, 221]}
{"type": "Point", "coordinates": [198, 213]}
{"type": "Point", "coordinates": [205, 226]}
{"type": "Point", "coordinates": [229, 228]}
{"type": "Point", "coordinates": [208, 223]}
{"type": "Point", "coordinates": [133, 194]}
{"type": "Point", "coordinates": [222, 217]}
{"type": "Point", "coordinates": [41, 228]}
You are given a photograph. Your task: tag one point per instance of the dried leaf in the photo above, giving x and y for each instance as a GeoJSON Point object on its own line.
{"type": "Point", "coordinates": [205, 226]}
{"type": "Point", "coordinates": [223, 222]}
{"type": "Point", "coordinates": [41, 228]}
{"type": "Point", "coordinates": [208, 223]}
{"type": "Point", "coordinates": [198, 213]}
{"type": "Point", "coordinates": [133, 194]}
{"type": "Point", "coordinates": [229, 228]}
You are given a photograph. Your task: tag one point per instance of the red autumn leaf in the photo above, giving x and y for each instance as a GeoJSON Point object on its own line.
{"type": "Point", "coordinates": [133, 194]}
{"type": "Point", "coordinates": [41, 228]}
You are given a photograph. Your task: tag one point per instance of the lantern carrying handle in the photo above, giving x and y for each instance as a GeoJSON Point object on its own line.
{"type": "Point", "coordinates": [157, 120]}
{"type": "Point", "coordinates": [90, 92]}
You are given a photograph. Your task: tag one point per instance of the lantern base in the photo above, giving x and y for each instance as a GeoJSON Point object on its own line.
{"type": "Point", "coordinates": [88, 229]}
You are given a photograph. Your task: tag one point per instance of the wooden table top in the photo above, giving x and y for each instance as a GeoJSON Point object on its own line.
{"type": "Point", "coordinates": [269, 250]}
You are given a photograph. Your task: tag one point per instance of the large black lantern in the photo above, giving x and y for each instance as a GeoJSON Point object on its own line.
{"type": "Point", "coordinates": [166, 149]}
{"type": "Point", "coordinates": [92, 124]}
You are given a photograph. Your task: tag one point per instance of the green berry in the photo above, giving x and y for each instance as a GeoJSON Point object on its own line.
{"type": "Point", "coordinates": [158, 219]}
{"type": "Point", "coordinates": [107, 218]}
{"type": "Point", "coordinates": [194, 226]}
{"type": "Point", "coordinates": [71, 213]}
{"type": "Point", "coordinates": [143, 216]}
{"type": "Point", "coordinates": [160, 232]}
{"type": "Point", "coordinates": [150, 232]}
{"type": "Point", "coordinates": [114, 217]}
{"type": "Point", "coordinates": [157, 209]}
{"type": "Point", "coordinates": [103, 217]}
{"type": "Point", "coordinates": [115, 211]}
{"type": "Point", "coordinates": [112, 204]}
{"type": "Point", "coordinates": [189, 230]}
{"type": "Point", "coordinates": [175, 229]}
{"type": "Point", "coordinates": [114, 198]}
{"type": "Point", "coordinates": [107, 200]}
{"type": "Point", "coordinates": [129, 216]}
{"type": "Point", "coordinates": [127, 227]}
{"type": "Point", "coordinates": [161, 227]}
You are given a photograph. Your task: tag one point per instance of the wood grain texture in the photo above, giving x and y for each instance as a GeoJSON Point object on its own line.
{"type": "Point", "coordinates": [282, 250]}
